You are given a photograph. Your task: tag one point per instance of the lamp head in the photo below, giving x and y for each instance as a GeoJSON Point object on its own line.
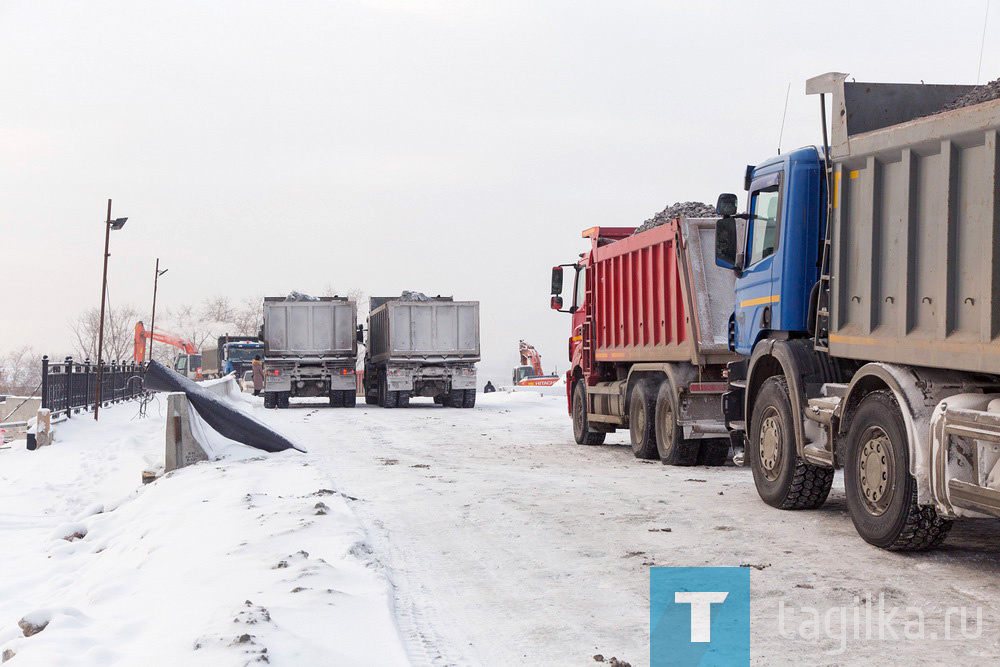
{"type": "Point", "coordinates": [118, 223]}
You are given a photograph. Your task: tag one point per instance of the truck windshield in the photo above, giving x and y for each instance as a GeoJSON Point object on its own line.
{"type": "Point", "coordinates": [243, 353]}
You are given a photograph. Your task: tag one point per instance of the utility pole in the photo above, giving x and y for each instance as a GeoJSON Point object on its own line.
{"type": "Point", "coordinates": [152, 323]}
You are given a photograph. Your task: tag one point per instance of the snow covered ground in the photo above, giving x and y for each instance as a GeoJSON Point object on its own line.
{"type": "Point", "coordinates": [449, 536]}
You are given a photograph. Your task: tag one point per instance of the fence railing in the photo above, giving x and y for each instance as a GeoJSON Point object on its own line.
{"type": "Point", "coordinates": [69, 386]}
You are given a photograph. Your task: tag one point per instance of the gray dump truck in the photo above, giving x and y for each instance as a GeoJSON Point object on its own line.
{"type": "Point", "coordinates": [427, 347]}
{"type": "Point", "coordinates": [867, 303]}
{"type": "Point", "coordinates": [310, 349]}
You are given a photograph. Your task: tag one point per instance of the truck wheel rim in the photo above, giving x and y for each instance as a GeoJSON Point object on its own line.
{"type": "Point", "coordinates": [770, 444]}
{"type": "Point", "coordinates": [639, 422]}
{"type": "Point", "coordinates": [578, 414]}
{"type": "Point", "coordinates": [875, 471]}
{"type": "Point", "coordinates": [668, 426]}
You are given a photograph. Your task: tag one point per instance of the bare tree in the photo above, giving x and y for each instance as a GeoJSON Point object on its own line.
{"type": "Point", "coordinates": [20, 372]}
{"type": "Point", "coordinates": [119, 333]}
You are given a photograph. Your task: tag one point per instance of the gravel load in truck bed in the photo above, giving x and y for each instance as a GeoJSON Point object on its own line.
{"type": "Point", "coordinates": [685, 209]}
{"type": "Point", "coordinates": [984, 93]}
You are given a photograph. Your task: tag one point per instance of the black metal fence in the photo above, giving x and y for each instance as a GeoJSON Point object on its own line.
{"type": "Point", "coordinates": [69, 386]}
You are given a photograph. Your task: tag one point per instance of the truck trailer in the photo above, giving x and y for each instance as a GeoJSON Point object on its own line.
{"type": "Point", "coordinates": [867, 313]}
{"type": "Point", "coordinates": [310, 349]}
{"type": "Point", "coordinates": [421, 348]}
{"type": "Point", "coordinates": [648, 348]}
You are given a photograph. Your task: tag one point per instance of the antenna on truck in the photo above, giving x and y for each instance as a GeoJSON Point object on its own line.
{"type": "Point", "coordinates": [783, 114]}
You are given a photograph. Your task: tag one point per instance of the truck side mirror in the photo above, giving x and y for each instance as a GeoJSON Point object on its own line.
{"type": "Point", "coordinates": [726, 243]}
{"type": "Point", "coordinates": [726, 206]}
{"type": "Point", "coordinates": [557, 280]}
{"type": "Point", "coordinates": [361, 334]}
{"type": "Point", "coordinates": [556, 303]}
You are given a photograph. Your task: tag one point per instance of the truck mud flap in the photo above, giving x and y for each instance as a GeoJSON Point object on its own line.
{"type": "Point", "coordinates": [225, 419]}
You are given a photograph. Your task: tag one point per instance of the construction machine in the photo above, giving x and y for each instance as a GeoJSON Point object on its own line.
{"type": "Point", "coordinates": [530, 373]}
{"type": "Point", "coordinates": [188, 363]}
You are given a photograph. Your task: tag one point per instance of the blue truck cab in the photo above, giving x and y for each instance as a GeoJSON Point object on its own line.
{"type": "Point", "coordinates": [777, 255]}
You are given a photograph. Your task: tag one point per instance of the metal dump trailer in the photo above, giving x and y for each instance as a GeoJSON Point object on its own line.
{"type": "Point", "coordinates": [649, 341]}
{"type": "Point", "coordinates": [422, 348]}
{"type": "Point", "coordinates": [872, 341]}
{"type": "Point", "coordinates": [310, 349]}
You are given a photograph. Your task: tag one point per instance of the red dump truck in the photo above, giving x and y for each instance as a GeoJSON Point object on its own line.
{"type": "Point", "coordinates": [649, 342]}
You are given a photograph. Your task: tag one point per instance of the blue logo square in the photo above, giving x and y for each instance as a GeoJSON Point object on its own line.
{"type": "Point", "coordinates": [699, 616]}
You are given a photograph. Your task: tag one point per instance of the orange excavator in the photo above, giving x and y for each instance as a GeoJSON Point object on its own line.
{"type": "Point", "coordinates": [187, 364]}
{"type": "Point", "coordinates": [530, 373]}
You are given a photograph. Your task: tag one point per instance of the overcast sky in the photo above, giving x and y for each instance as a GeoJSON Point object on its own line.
{"type": "Point", "coordinates": [448, 147]}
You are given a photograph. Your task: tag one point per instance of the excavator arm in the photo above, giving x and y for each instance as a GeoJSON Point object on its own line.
{"type": "Point", "coordinates": [159, 336]}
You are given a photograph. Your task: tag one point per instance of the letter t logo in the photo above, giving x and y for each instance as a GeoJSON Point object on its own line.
{"type": "Point", "coordinates": [701, 612]}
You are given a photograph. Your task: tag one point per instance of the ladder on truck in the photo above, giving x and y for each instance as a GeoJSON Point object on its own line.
{"type": "Point", "coordinates": [588, 323]}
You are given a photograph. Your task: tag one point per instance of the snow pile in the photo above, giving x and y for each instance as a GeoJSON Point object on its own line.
{"type": "Point", "coordinates": [687, 209]}
{"type": "Point", "coordinates": [251, 559]}
{"type": "Point", "coordinates": [984, 93]}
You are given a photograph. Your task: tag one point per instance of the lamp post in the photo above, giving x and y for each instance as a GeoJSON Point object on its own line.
{"type": "Point", "coordinates": [109, 225]}
{"type": "Point", "coordinates": [152, 323]}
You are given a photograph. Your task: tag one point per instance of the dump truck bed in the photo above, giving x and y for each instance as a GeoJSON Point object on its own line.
{"type": "Point", "coordinates": [915, 261]}
{"type": "Point", "coordinates": [322, 328]}
{"type": "Point", "coordinates": [435, 330]}
{"type": "Point", "coordinates": [660, 297]}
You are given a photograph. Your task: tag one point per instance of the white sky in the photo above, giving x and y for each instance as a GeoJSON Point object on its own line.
{"type": "Point", "coordinates": [448, 147]}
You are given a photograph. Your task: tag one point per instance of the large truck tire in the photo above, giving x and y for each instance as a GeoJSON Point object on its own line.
{"type": "Point", "coordinates": [714, 452]}
{"type": "Point", "coordinates": [470, 399]}
{"type": "Point", "coordinates": [402, 399]}
{"type": "Point", "coordinates": [455, 398]}
{"type": "Point", "coordinates": [642, 421]}
{"type": "Point", "coordinates": [673, 449]}
{"type": "Point", "coordinates": [783, 480]}
{"type": "Point", "coordinates": [336, 398]}
{"type": "Point", "coordinates": [439, 400]}
{"type": "Point", "coordinates": [371, 399]}
{"type": "Point", "coordinates": [270, 400]}
{"type": "Point", "coordinates": [582, 432]}
{"type": "Point", "coordinates": [881, 492]}
{"type": "Point", "coordinates": [282, 399]}
{"type": "Point", "coordinates": [350, 398]}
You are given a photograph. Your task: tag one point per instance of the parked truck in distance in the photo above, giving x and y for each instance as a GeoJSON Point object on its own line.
{"type": "Point", "coordinates": [425, 347]}
{"type": "Point", "coordinates": [232, 354]}
{"type": "Point", "coordinates": [310, 349]}
{"type": "Point", "coordinates": [648, 343]}
{"type": "Point", "coordinates": [867, 310]}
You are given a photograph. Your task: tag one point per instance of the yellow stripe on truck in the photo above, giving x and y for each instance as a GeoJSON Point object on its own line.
{"type": "Point", "coordinates": [762, 300]}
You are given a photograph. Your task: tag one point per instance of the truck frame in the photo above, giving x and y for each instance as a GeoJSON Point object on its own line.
{"type": "Point", "coordinates": [310, 349]}
{"type": "Point", "coordinates": [421, 348]}
{"type": "Point", "coordinates": [868, 320]}
{"type": "Point", "coordinates": [648, 346]}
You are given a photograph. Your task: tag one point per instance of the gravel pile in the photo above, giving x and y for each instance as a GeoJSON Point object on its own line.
{"type": "Point", "coordinates": [984, 93]}
{"type": "Point", "coordinates": [681, 209]}
{"type": "Point", "coordinates": [299, 296]}
{"type": "Point", "coordinates": [407, 295]}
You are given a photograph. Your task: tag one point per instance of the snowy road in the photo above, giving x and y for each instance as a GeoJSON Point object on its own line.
{"type": "Point", "coordinates": [509, 544]}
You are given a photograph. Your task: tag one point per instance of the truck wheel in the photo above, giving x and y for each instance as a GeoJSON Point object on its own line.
{"type": "Point", "coordinates": [673, 449]}
{"type": "Point", "coordinates": [783, 480]}
{"type": "Point", "coordinates": [713, 452]}
{"type": "Point", "coordinates": [455, 398]}
{"type": "Point", "coordinates": [270, 400]}
{"type": "Point", "coordinates": [642, 422]}
{"type": "Point", "coordinates": [470, 399]}
{"type": "Point", "coordinates": [439, 400]}
{"type": "Point", "coordinates": [282, 399]}
{"type": "Point", "coordinates": [881, 492]}
{"type": "Point", "coordinates": [371, 399]}
{"type": "Point", "coordinates": [402, 399]}
{"type": "Point", "coordinates": [350, 398]}
{"type": "Point", "coordinates": [582, 432]}
{"type": "Point", "coordinates": [336, 399]}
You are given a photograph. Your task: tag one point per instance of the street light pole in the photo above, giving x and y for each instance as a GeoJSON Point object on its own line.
{"type": "Point", "coordinates": [100, 335]}
{"type": "Point", "coordinates": [109, 225]}
{"type": "Point", "coordinates": [152, 323]}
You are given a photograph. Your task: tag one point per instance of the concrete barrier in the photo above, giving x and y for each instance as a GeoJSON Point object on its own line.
{"type": "Point", "coordinates": [182, 449]}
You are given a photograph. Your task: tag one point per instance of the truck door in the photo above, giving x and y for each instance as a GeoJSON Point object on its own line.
{"type": "Point", "coordinates": [757, 298]}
